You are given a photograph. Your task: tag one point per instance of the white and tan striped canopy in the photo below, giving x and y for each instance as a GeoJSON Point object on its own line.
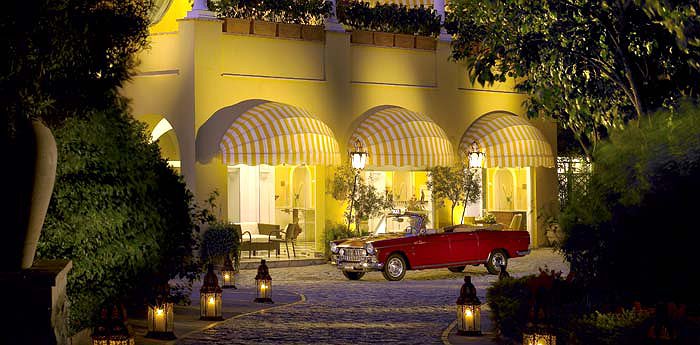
{"type": "Point", "coordinates": [399, 138]}
{"type": "Point", "coordinates": [510, 141]}
{"type": "Point", "coordinates": [407, 3]}
{"type": "Point", "coordinates": [275, 133]}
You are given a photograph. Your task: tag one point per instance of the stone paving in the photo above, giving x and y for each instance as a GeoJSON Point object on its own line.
{"type": "Point", "coordinates": [414, 311]}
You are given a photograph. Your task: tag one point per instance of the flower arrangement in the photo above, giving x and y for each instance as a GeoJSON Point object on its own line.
{"type": "Point", "coordinates": [486, 219]}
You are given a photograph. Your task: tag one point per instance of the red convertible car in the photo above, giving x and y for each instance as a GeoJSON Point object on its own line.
{"type": "Point", "coordinates": [403, 243]}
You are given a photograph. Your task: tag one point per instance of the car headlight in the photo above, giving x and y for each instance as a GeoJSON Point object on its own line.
{"type": "Point", "coordinates": [370, 249]}
{"type": "Point", "coordinates": [334, 248]}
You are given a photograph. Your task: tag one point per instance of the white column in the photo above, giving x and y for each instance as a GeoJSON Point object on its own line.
{"type": "Point", "coordinates": [440, 8]}
{"type": "Point", "coordinates": [200, 10]}
{"type": "Point", "coordinates": [332, 23]}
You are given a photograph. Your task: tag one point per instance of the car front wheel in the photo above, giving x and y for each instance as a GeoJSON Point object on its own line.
{"type": "Point", "coordinates": [497, 258]}
{"type": "Point", "coordinates": [353, 275]}
{"type": "Point", "coordinates": [395, 267]}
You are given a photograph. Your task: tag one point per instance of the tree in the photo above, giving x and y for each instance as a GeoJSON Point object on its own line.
{"type": "Point", "coordinates": [592, 65]}
{"type": "Point", "coordinates": [119, 212]}
{"type": "Point", "coordinates": [641, 194]}
{"type": "Point", "coordinates": [457, 183]}
{"type": "Point", "coordinates": [66, 57]}
{"type": "Point", "coordinates": [368, 202]}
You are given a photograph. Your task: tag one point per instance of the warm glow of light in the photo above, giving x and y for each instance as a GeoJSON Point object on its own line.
{"type": "Point", "coordinates": [227, 276]}
{"type": "Point", "coordinates": [159, 311]}
{"type": "Point", "coordinates": [211, 300]}
{"type": "Point", "coordinates": [468, 313]}
{"type": "Point", "coordinates": [263, 286]}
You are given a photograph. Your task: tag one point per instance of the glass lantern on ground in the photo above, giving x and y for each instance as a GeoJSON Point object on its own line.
{"type": "Point", "coordinates": [468, 310]}
{"type": "Point", "coordinates": [210, 297]}
{"type": "Point", "coordinates": [263, 284]}
{"type": "Point", "coordinates": [111, 329]}
{"type": "Point", "coordinates": [228, 274]}
{"type": "Point", "coordinates": [539, 335]}
{"type": "Point", "coordinates": [161, 315]}
{"type": "Point", "coordinates": [358, 160]}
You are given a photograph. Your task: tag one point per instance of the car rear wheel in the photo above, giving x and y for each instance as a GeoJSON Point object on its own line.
{"type": "Point", "coordinates": [353, 275]}
{"type": "Point", "coordinates": [497, 258]}
{"type": "Point", "coordinates": [456, 269]}
{"type": "Point", "coordinates": [395, 267]}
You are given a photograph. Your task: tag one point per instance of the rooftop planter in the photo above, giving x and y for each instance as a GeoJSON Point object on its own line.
{"type": "Point", "coordinates": [390, 25]}
{"type": "Point", "coordinates": [292, 19]}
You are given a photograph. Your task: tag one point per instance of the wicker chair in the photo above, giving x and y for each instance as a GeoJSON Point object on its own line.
{"type": "Point", "coordinates": [288, 236]}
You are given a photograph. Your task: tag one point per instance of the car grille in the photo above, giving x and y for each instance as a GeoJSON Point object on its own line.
{"type": "Point", "coordinates": [352, 255]}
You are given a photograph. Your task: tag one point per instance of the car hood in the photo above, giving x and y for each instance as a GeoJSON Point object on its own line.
{"type": "Point", "coordinates": [359, 242]}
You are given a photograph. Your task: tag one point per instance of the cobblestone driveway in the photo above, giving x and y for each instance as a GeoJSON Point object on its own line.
{"type": "Point", "coordinates": [372, 310]}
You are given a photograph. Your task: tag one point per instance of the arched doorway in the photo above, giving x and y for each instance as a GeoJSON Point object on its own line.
{"type": "Point", "coordinates": [271, 152]}
{"type": "Point", "coordinates": [402, 145]}
{"type": "Point", "coordinates": [513, 148]}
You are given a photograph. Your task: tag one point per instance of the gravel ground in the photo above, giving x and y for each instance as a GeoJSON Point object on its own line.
{"type": "Point", "coordinates": [413, 311]}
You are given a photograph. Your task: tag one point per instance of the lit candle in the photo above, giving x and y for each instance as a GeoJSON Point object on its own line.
{"type": "Point", "coordinates": [211, 300]}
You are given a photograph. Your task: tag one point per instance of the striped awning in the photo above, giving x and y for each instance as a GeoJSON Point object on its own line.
{"type": "Point", "coordinates": [510, 141]}
{"type": "Point", "coordinates": [407, 3]}
{"type": "Point", "coordinates": [275, 133]}
{"type": "Point", "coordinates": [396, 137]}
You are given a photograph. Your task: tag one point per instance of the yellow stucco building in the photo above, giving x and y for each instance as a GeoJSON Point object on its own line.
{"type": "Point", "coordinates": [264, 120]}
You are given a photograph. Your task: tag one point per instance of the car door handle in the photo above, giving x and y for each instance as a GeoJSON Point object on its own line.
{"type": "Point", "coordinates": [420, 242]}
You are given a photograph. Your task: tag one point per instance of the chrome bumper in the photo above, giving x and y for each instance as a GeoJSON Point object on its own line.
{"type": "Point", "coordinates": [366, 264]}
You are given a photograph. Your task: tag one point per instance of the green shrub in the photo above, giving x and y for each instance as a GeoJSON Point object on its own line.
{"type": "Point", "coordinates": [312, 12]}
{"type": "Point", "coordinates": [624, 328]}
{"type": "Point", "coordinates": [508, 300]}
{"type": "Point", "coordinates": [394, 18]}
{"type": "Point", "coordinates": [635, 218]}
{"type": "Point", "coordinates": [219, 240]}
{"type": "Point", "coordinates": [335, 231]}
{"type": "Point", "coordinates": [118, 211]}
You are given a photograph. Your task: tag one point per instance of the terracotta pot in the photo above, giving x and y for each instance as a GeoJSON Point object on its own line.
{"type": "Point", "coordinates": [425, 42]}
{"type": "Point", "coordinates": [361, 37]}
{"type": "Point", "coordinates": [384, 39]}
{"type": "Point", "coordinates": [404, 41]}
{"type": "Point", "coordinates": [313, 32]}
{"type": "Point", "coordinates": [237, 25]}
{"type": "Point", "coordinates": [29, 179]}
{"type": "Point", "coordinates": [263, 28]}
{"type": "Point", "coordinates": [285, 30]}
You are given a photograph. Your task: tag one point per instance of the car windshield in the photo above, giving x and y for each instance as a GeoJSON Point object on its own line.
{"type": "Point", "coordinates": [398, 225]}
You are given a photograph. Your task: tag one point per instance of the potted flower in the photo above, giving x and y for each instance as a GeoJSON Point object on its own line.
{"type": "Point", "coordinates": [314, 16]}
{"type": "Point", "coordinates": [237, 16]}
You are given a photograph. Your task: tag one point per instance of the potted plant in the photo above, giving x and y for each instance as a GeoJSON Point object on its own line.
{"type": "Point", "coordinates": [404, 41]}
{"type": "Point", "coordinates": [236, 14]}
{"type": "Point", "coordinates": [289, 30]}
{"type": "Point", "coordinates": [428, 28]}
{"type": "Point", "coordinates": [384, 39]}
{"type": "Point", "coordinates": [238, 25]}
{"type": "Point", "coordinates": [314, 15]}
{"type": "Point", "coordinates": [358, 16]}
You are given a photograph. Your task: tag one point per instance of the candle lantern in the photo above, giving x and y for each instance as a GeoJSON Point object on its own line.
{"type": "Point", "coordinates": [111, 329]}
{"type": "Point", "coordinates": [263, 284]}
{"type": "Point", "coordinates": [468, 310]}
{"type": "Point", "coordinates": [227, 274]}
{"type": "Point", "coordinates": [539, 336]}
{"type": "Point", "coordinates": [161, 315]}
{"type": "Point", "coordinates": [210, 297]}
